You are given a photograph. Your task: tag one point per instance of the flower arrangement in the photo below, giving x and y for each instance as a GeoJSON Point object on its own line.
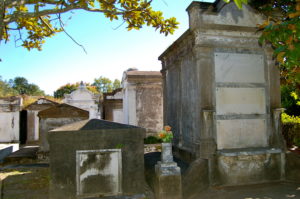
{"type": "Point", "coordinates": [166, 134]}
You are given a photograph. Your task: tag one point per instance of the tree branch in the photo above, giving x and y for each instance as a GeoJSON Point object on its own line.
{"type": "Point", "coordinates": [2, 14]}
{"type": "Point", "coordinates": [62, 27]}
{"type": "Point", "coordinates": [47, 25]}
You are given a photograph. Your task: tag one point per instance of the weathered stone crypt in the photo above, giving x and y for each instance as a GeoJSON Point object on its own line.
{"type": "Point", "coordinates": [222, 97]}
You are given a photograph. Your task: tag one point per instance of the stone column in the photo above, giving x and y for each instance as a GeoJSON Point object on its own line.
{"type": "Point", "coordinates": [207, 142]}
{"type": "Point", "coordinates": [168, 176]}
{"type": "Point", "coordinates": [277, 140]}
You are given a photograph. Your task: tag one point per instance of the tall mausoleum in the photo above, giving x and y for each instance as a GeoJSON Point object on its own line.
{"type": "Point", "coordinates": [222, 95]}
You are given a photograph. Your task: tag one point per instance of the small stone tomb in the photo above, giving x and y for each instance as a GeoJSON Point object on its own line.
{"type": "Point", "coordinates": [32, 118]}
{"type": "Point", "coordinates": [55, 117]}
{"type": "Point", "coordinates": [96, 158]}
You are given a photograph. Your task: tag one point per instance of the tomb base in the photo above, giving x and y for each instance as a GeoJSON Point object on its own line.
{"type": "Point", "coordinates": [248, 166]}
{"type": "Point", "coordinates": [168, 181]}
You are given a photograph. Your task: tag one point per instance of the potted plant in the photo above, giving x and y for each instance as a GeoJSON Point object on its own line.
{"type": "Point", "coordinates": [166, 136]}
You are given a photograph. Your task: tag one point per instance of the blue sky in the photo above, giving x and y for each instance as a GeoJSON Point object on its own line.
{"type": "Point", "coordinates": [110, 51]}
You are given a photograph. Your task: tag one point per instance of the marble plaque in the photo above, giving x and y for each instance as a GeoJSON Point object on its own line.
{"type": "Point", "coordinates": [239, 68]}
{"type": "Point", "coordinates": [240, 101]}
{"type": "Point", "coordinates": [99, 172]}
{"type": "Point", "coordinates": [241, 133]}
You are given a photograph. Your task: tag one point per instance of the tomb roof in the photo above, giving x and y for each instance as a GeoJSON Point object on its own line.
{"type": "Point", "coordinates": [93, 124]}
{"type": "Point", "coordinates": [63, 111]}
{"type": "Point", "coordinates": [40, 104]}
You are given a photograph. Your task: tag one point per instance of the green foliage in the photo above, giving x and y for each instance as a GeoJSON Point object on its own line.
{"type": "Point", "coordinates": [291, 130]}
{"type": "Point", "coordinates": [65, 89]}
{"type": "Point", "coordinates": [285, 118]}
{"type": "Point", "coordinates": [105, 85]}
{"type": "Point", "coordinates": [116, 84]}
{"type": "Point", "coordinates": [22, 86]}
{"type": "Point", "coordinates": [152, 140]}
{"type": "Point", "coordinates": [282, 31]}
{"type": "Point", "coordinates": [119, 146]}
{"type": "Point", "coordinates": [69, 88]}
{"type": "Point", "coordinates": [290, 100]}
{"type": "Point", "coordinates": [296, 141]}
{"type": "Point", "coordinates": [6, 90]}
{"type": "Point", "coordinates": [33, 21]}
{"type": "Point", "coordinates": [166, 135]}
{"type": "Point", "coordinates": [238, 3]}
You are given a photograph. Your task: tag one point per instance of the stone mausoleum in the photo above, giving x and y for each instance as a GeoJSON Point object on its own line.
{"type": "Point", "coordinates": [86, 100]}
{"type": "Point", "coordinates": [143, 99]}
{"type": "Point", "coordinates": [112, 106]}
{"type": "Point", "coordinates": [222, 95]}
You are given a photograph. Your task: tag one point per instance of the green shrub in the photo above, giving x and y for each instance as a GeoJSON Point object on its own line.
{"type": "Point", "coordinates": [287, 119]}
{"type": "Point", "coordinates": [290, 100]}
{"type": "Point", "coordinates": [291, 129]}
{"type": "Point", "coordinates": [152, 140]}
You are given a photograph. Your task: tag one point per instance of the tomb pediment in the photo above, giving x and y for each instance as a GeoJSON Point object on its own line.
{"type": "Point", "coordinates": [221, 13]}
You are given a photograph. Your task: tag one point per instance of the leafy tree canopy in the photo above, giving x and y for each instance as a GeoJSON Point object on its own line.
{"type": "Point", "coordinates": [35, 20]}
{"type": "Point", "coordinates": [105, 85]}
{"type": "Point", "coordinates": [6, 90]}
{"type": "Point", "coordinates": [21, 86]}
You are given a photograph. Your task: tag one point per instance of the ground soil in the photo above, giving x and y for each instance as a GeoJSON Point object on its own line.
{"type": "Point", "coordinates": [30, 180]}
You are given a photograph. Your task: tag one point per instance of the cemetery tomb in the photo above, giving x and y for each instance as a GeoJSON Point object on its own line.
{"type": "Point", "coordinates": [222, 95]}
{"type": "Point", "coordinates": [100, 159]}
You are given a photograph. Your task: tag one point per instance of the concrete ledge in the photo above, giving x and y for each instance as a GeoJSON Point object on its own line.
{"type": "Point", "coordinates": [248, 151]}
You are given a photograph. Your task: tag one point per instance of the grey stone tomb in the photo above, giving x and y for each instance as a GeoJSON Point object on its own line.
{"type": "Point", "coordinates": [96, 158]}
{"type": "Point", "coordinates": [222, 95]}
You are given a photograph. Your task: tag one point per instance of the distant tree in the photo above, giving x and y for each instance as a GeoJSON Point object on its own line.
{"type": "Point", "coordinates": [31, 21]}
{"type": "Point", "coordinates": [21, 85]}
{"type": "Point", "coordinates": [65, 89]}
{"type": "Point", "coordinates": [116, 84]}
{"type": "Point", "coordinates": [105, 85]}
{"type": "Point", "coordinates": [69, 88]}
{"type": "Point", "coordinates": [6, 90]}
